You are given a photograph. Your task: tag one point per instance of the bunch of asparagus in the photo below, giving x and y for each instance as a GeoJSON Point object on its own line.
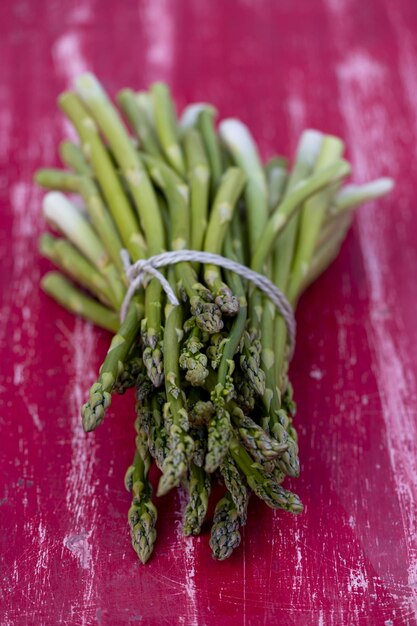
{"type": "Point", "coordinates": [213, 398]}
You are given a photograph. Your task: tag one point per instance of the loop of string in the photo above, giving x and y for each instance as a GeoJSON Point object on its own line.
{"type": "Point", "coordinates": [137, 272]}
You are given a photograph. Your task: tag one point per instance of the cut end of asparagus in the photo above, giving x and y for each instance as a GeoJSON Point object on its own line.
{"type": "Point", "coordinates": [239, 140]}
{"type": "Point", "coordinates": [309, 146]}
{"type": "Point", "coordinates": [88, 83]}
{"type": "Point", "coordinates": [352, 195]}
{"type": "Point", "coordinates": [191, 113]}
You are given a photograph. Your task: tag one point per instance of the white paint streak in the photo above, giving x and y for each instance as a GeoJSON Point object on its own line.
{"type": "Point", "coordinates": [363, 85]}
{"type": "Point", "coordinates": [69, 63]}
{"type": "Point", "coordinates": [25, 276]}
{"type": "Point", "coordinates": [358, 580]}
{"type": "Point", "coordinates": [34, 414]}
{"type": "Point", "coordinates": [79, 545]}
{"type": "Point", "coordinates": [81, 499]}
{"type": "Point", "coordinates": [160, 39]}
{"type": "Point", "coordinates": [189, 556]}
{"type": "Point", "coordinates": [43, 553]}
{"type": "Point", "coordinates": [316, 373]}
{"type": "Point", "coordinates": [68, 58]}
{"type": "Point", "coordinates": [296, 111]}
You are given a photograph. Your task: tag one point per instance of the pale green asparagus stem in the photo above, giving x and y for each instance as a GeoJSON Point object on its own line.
{"type": "Point", "coordinates": [72, 156]}
{"type": "Point", "coordinates": [139, 123]}
{"type": "Point", "coordinates": [166, 126]}
{"type": "Point", "coordinates": [100, 218]}
{"type": "Point", "coordinates": [245, 154]}
{"type": "Point", "coordinates": [68, 259]}
{"type": "Point", "coordinates": [64, 292]}
{"type": "Point", "coordinates": [68, 219]}
{"type": "Point", "coordinates": [199, 182]}
{"type": "Point", "coordinates": [51, 178]}
{"type": "Point", "coordinates": [106, 175]}
{"type": "Point", "coordinates": [280, 218]}
{"type": "Point", "coordinates": [205, 122]}
{"type": "Point", "coordinates": [324, 255]}
{"type": "Point", "coordinates": [307, 153]}
{"type": "Point", "coordinates": [352, 196]}
{"type": "Point", "coordinates": [221, 214]}
{"type": "Point", "coordinates": [312, 215]}
{"type": "Point", "coordinates": [100, 393]}
{"type": "Point", "coordinates": [127, 157]}
{"type": "Point", "coordinates": [276, 172]}
{"type": "Point", "coordinates": [143, 195]}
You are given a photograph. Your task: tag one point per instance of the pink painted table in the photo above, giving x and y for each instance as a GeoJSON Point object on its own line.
{"type": "Point", "coordinates": [347, 67]}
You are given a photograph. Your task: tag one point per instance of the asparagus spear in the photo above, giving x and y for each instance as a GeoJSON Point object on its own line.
{"type": "Point", "coordinates": [145, 200]}
{"type": "Point", "coordinates": [68, 259]}
{"type": "Point", "coordinates": [166, 126]}
{"type": "Point", "coordinates": [59, 288]}
{"type": "Point", "coordinates": [199, 183]}
{"type": "Point", "coordinates": [142, 514]}
{"type": "Point", "coordinates": [180, 443]}
{"type": "Point", "coordinates": [199, 486]}
{"type": "Point", "coordinates": [94, 409]}
{"type": "Point", "coordinates": [225, 536]}
{"type": "Point", "coordinates": [72, 156]}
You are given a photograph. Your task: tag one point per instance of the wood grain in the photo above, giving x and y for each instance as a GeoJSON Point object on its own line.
{"type": "Point", "coordinates": [344, 66]}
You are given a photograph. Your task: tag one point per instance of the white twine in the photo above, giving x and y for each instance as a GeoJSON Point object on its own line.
{"type": "Point", "coordinates": [137, 272]}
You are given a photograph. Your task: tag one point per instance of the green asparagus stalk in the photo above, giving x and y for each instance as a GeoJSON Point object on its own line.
{"type": "Point", "coordinates": [94, 409]}
{"type": "Point", "coordinates": [207, 313]}
{"type": "Point", "coordinates": [199, 486]}
{"type": "Point", "coordinates": [221, 215]}
{"type": "Point", "coordinates": [205, 123]}
{"type": "Point", "coordinates": [145, 201]}
{"type": "Point", "coordinates": [225, 536]}
{"type": "Point", "coordinates": [280, 218]}
{"type": "Point", "coordinates": [139, 122]}
{"type": "Point", "coordinates": [245, 154]}
{"type": "Point", "coordinates": [68, 259]}
{"type": "Point", "coordinates": [180, 443]}
{"type": "Point", "coordinates": [199, 182]}
{"type": "Point", "coordinates": [61, 290]}
{"type": "Point", "coordinates": [117, 202]}
{"type": "Point", "coordinates": [72, 156]}
{"type": "Point", "coordinates": [142, 514]}
{"type": "Point", "coordinates": [236, 486]}
{"type": "Point", "coordinates": [166, 126]}
{"type": "Point", "coordinates": [100, 218]}
{"type": "Point", "coordinates": [65, 216]}
{"type": "Point", "coordinates": [313, 215]}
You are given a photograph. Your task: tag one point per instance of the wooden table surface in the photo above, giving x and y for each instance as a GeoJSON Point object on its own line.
{"type": "Point", "coordinates": [347, 67]}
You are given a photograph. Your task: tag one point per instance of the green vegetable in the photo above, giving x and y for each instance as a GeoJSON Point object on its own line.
{"type": "Point", "coordinates": [213, 397]}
